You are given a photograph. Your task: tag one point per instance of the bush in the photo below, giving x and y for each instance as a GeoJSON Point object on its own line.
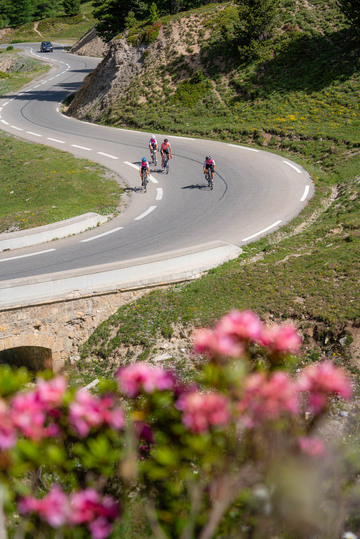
{"type": "Point", "coordinates": [239, 447]}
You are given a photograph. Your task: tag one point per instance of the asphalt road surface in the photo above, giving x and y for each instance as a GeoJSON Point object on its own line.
{"type": "Point", "coordinates": [255, 192]}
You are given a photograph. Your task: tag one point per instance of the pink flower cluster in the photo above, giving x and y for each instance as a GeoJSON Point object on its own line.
{"type": "Point", "coordinates": [84, 507]}
{"type": "Point", "coordinates": [144, 377]}
{"type": "Point", "coordinates": [236, 330]}
{"type": "Point", "coordinates": [87, 411]}
{"type": "Point", "coordinates": [32, 413]}
{"type": "Point", "coordinates": [201, 411]}
{"type": "Point", "coordinates": [267, 398]}
{"type": "Point", "coordinates": [321, 381]}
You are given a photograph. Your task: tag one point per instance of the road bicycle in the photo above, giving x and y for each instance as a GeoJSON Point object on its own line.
{"type": "Point", "coordinates": [166, 163]}
{"type": "Point", "coordinates": [209, 178]}
{"type": "Point", "coordinates": [144, 181]}
{"type": "Point", "coordinates": [153, 154]}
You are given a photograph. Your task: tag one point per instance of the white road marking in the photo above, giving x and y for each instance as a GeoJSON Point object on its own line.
{"type": "Point", "coordinates": [292, 166]}
{"type": "Point", "coordinates": [103, 234]}
{"type": "Point", "coordinates": [25, 256]}
{"type": "Point", "coordinates": [1, 109]}
{"type": "Point", "coordinates": [132, 165]}
{"type": "Point", "coordinates": [243, 147]}
{"type": "Point", "coordinates": [6, 123]}
{"type": "Point", "coordinates": [149, 210]}
{"type": "Point", "coordinates": [37, 86]}
{"type": "Point", "coordinates": [7, 102]}
{"type": "Point", "coordinates": [81, 147]}
{"type": "Point", "coordinates": [17, 128]}
{"type": "Point", "coordinates": [307, 189]}
{"type": "Point", "coordinates": [159, 193]}
{"type": "Point", "coordinates": [262, 231]}
{"type": "Point", "coordinates": [56, 140]}
{"type": "Point", "coordinates": [34, 134]}
{"type": "Point", "coordinates": [108, 155]}
{"type": "Point", "coordinates": [153, 179]}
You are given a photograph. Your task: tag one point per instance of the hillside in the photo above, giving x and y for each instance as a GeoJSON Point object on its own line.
{"type": "Point", "coordinates": [299, 97]}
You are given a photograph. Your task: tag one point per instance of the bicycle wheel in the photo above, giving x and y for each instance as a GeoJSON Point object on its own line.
{"type": "Point", "coordinates": [143, 183]}
{"type": "Point", "coordinates": [167, 165]}
{"type": "Point", "coordinates": [155, 158]}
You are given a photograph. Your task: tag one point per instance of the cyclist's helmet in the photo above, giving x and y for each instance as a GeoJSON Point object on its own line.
{"type": "Point", "coordinates": [153, 136]}
{"type": "Point", "coordinates": [208, 157]}
{"type": "Point", "coordinates": [166, 140]}
{"type": "Point", "coordinates": [143, 159]}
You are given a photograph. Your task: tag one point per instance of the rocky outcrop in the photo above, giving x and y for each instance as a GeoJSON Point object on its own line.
{"type": "Point", "coordinates": [90, 45]}
{"type": "Point", "coordinates": [113, 76]}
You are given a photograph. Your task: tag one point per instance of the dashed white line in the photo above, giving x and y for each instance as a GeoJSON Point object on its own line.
{"type": "Point", "coordinates": [153, 179]}
{"type": "Point", "coordinates": [131, 165]}
{"type": "Point", "coordinates": [37, 86]}
{"type": "Point", "coordinates": [262, 231]}
{"type": "Point", "coordinates": [6, 123]}
{"type": "Point", "coordinates": [56, 140]}
{"type": "Point", "coordinates": [149, 210]}
{"type": "Point", "coordinates": [103, 234]}
{"type": "Point", "coordinates": [33, 134]}
{"type": "Point", "coordinates": [307, 189]}
{"type": "Point", "coordinates": [7, 102]}
{"type": "Point", "coordinates": [243, 147]}
{"type": "Point", "coordinates": [292, 166]}
{"type": "Point", "coordinates": [108, 155]}
{"type": "Point", "coordinates": [159, 193]}
{"type": "Point", "coordinates": [25, 256]}
{"type": "Point", "coordinates": [81, 147]}
{"type": "Point", "coordinates": [17, 128]}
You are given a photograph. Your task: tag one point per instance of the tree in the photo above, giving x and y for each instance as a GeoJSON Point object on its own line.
{"type": "Point", "coordinates": [71, 7]}
{"type": "Point", "coordinates": [45, 8]}
{"type": "Point", "coordinates": [20, 12]}
{"type": "Point", "coordinates": [257, 19]}
{"type": "Point", "coordinates": [112, 15]}
{"type": "Point", "coordinates": [351, 10]}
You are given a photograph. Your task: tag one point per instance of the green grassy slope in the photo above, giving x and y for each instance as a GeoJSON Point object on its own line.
{"type": "Point", "coordinates": [59, 28]}
{"type": "Point", "coordinates": [300, 97]}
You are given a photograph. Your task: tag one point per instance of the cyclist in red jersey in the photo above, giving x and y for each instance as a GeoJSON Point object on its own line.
{"type": "Point", "coordinates": [165, 149]}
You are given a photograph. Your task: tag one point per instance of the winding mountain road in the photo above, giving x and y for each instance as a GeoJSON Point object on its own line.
{"type": "Point", "coordinates": [179, 226]}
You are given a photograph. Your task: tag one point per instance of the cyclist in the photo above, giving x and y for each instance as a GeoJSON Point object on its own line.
{"type": "Point", "coordinates": [153, 145]}
{"type": "Point", "coordinates": [209, 163]}
{"type": "Point", "coordinates": [165, 149]}
{"type": "Point", "coordinates": [144, 169]}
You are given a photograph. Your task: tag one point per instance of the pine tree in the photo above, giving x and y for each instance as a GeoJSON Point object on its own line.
{"type": "Point", "coordinates": [351, 10]}
{"type": "Point", "coordinates": [71, 7]}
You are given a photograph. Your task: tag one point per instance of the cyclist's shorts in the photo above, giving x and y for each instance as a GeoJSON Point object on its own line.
{"type": "Point", "coordinates": [166, 150]}
{"type": "Point", "coordinates": [209, 166]}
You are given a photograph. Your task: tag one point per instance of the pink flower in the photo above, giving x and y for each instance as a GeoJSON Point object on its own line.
{"type": "Point", "coordinates": [322, 381]}
{"type": "Point", "coordinates": [7, 429]}
{"type": "Point", "coordinates": [201, 411]}
{"type": "Point", "coordinates": [100, 528]}
{"type": "Point", "coordinates": [281, 339]}
{"type": "Point", "coordinates": [52, 508]}
{"type": "Point", "coordinates": [314, 447]}
{"type": "Point", "coordinates": [244, 325]}
{"type": "Point", "coordinates": [88, 411]}
{"type": "Point", "coordinates": [142, 376]}
{"type": "Point", "coordinates": [51, 393]}
{"type": "Point", "coordinates": [217, 343]}
{"type": "Point", "coordinates": [28, 415]}
{"type": "Point", "coordinates": [88, 508]}
{"type": "Point", "coordinates": [84, 506]}
{"type": "Point", "coordinates": [267, 398]}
